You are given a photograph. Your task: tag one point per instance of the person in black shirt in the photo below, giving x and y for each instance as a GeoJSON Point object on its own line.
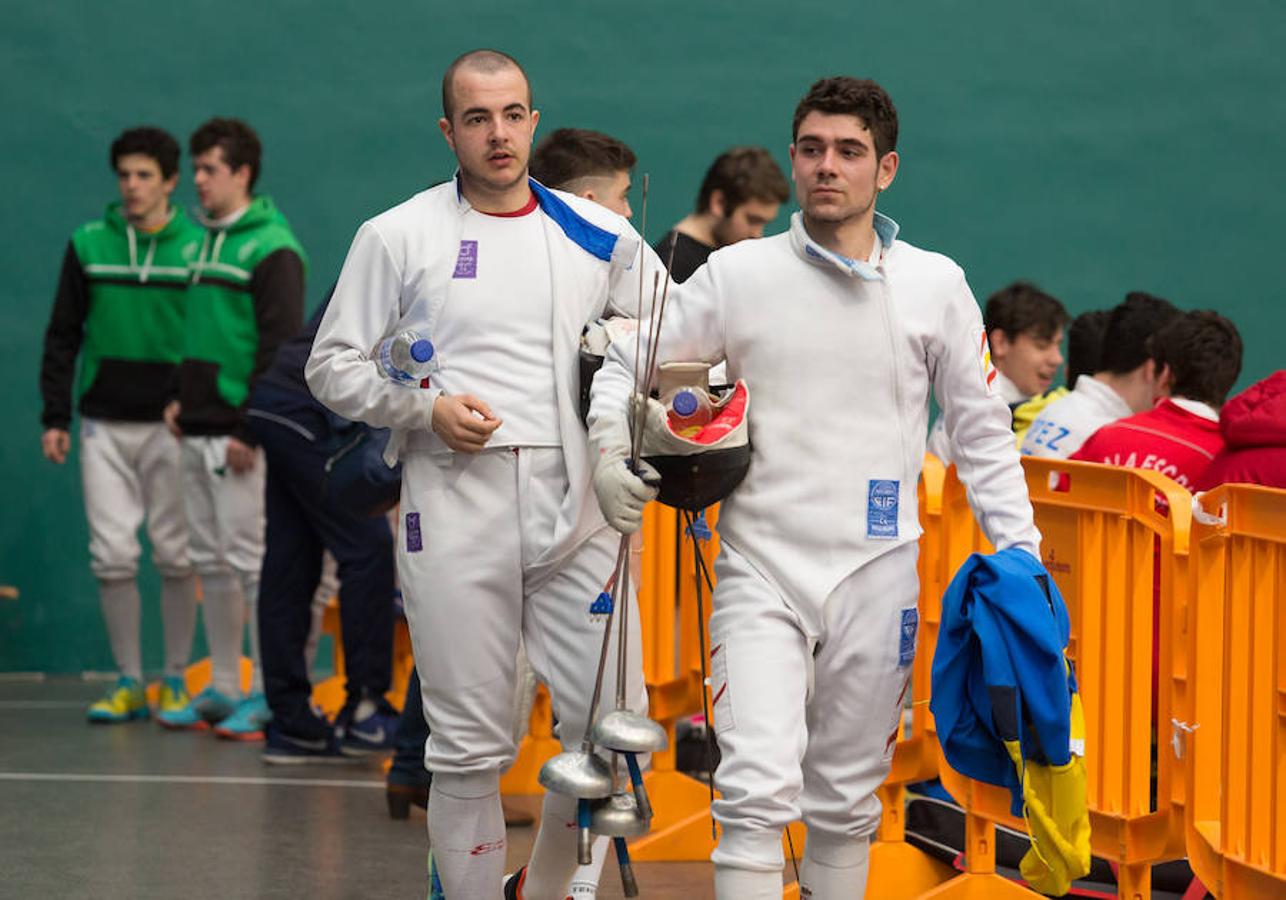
{"type": "Point", "coordinates": [740, 194]}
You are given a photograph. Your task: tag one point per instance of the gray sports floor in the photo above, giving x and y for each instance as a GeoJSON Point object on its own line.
{"type": "Point", "coordinates": [130, 811]}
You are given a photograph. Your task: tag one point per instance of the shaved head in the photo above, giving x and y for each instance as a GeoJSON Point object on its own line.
{"type": "Point", "coordinates": [485, 61]}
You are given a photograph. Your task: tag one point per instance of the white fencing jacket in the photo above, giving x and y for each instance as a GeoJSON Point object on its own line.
{"type": "Point", "coordinates": [840, 356]}
{"type": "Point", "coordinates": [398, 275]}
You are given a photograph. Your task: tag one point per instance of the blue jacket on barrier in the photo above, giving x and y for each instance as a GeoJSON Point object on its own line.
{"type": "Point", "coordinates": [999, 673]}
{"type": "Point", "coordinates": [1007, 710]}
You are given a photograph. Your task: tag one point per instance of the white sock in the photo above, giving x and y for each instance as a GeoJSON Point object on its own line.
{"type": "Point", "coordinates": [178, 620]}
{"type": "Point", "coordinates": [746, 884]}
{"type": "Point", "coordinates": [834, 867]}
{"type": "Point", "coordinates": [119, 600]}
{"type": "Point", "coordinates": [585, 879]}
{"type": "Point", "coordinates": [225, 621]}
{"type": "Point", "coordinates": [250, 590]}
{"type": "Point", "coordinates": [467, 834]}
{"type": "Point", "coordinates": [553, 857]}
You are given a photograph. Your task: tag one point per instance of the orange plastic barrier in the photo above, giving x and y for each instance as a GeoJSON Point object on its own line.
{"type": "Point", "coordinates": [1107, 536]}
{"type": "Point", "coordinates": [1236, 826]}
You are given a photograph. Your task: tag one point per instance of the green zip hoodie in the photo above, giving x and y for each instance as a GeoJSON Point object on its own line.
{"type": "Point", "coordinates": [245, 297]}
{"type": "Point", "coordinates": [119, 307]}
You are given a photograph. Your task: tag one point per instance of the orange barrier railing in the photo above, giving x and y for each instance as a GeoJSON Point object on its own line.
{"type": "Point", "coordinates": [1236, 826]}
{"type": "Point", "coordinates": [1108, 536]}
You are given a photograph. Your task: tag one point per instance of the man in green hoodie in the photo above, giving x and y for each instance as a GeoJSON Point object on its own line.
{"type": "Point", "coordinates": [245, 297]}
{"type": "Point", "coordinates": [119, 308]}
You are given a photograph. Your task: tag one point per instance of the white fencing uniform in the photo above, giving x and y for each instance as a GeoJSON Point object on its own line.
{"type": "Point", "coordinates": [130, 471]}
{"type": "Point", "coordinates": [1069, 421]}
{"type": "Point", "coordinates": [508, 542]}
{"type": "Point", "coordinates": [940, 446]}
{"type": "Point", "coordinates": [818, 571]}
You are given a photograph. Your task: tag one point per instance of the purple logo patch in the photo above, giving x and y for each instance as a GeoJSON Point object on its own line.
{"type": "Point", "coordinates": [414, 540]}
{"type": "Point", "coordinates": [466, 264]}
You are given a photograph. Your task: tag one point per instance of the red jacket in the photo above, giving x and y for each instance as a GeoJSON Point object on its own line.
{"type": "Point", "coordinates": [1254, 428]}
{"type": "Point", "coordinates": [1167, 438]}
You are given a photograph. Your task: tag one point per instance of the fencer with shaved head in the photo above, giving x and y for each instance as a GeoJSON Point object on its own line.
{"type": "Point", "coordinates": [500, 536]}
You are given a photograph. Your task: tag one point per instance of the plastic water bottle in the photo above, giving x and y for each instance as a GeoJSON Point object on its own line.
{"type": "Point", "coordinates": [688, 409]}
{"type": "Point", "coordinates": [406, 358]}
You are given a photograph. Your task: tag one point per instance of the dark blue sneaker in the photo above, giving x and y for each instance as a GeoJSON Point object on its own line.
{"type": "Point", "coordinates": [290, 749]}
{"type": "Point", "coordinates": [367, 727]}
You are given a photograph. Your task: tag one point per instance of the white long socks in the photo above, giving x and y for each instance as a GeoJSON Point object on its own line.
{"type": "Point", "coordinates": [834, 867]}
{"type": "Point", "coordinates": [178, 620]}
{"type": "Point", "coordinates": [746, 884]}
{"type": "Point", "coordinates": [225, 620]}
{"type": "Point", "coordinates": [250, 590]}
{"type": "Point", "coordinates": [553, 858]}
{"type": "Point", "coordinates": [467, 834]}
{"type": "Point", "coordinates": [585, 879]}
{"type": "Point", "coordinates": [119, 600]}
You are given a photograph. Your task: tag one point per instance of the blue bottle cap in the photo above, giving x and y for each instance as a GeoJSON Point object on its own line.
{"type": "Point", "coordinates": [421, 351]}
{"type": "Point", "coordinates": [684, 403]}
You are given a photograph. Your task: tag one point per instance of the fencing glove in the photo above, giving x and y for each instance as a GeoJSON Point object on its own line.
{"type": "Point", "coordinates": [621, 492]}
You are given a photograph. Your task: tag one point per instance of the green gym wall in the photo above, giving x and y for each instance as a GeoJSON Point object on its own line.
{"type": "Point", "coordinates": [1094, 148]}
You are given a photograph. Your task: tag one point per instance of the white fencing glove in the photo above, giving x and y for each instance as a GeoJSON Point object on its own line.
{"type": "Point", "coordinates": [621, 493]}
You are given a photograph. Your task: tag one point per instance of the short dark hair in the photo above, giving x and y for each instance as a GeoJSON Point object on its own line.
{"type": "Point", "coordinates": [240, 144]}
{"type": "Point", "coordinates": [741, 174]}
{"type": "Point", "coordinates": [1132, 323]}
{"type": "Point", "coordinates": [148, 140]}
{"type": "Point", "coordinates": [567, 155]}
{"type": "Point", "coordinates": [1203, 351]}
{"type": "Point", "coordinates": [484, 60]}
{"type": "Point", "coordinates": [1023, 308]}
{"type": "Point", "coordinates": [861, 97]}
{"type": "Point", "coordinates": [1085, 343]}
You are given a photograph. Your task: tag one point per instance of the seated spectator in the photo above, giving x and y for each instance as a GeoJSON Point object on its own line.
{"type": "Point", "coordinates": [1198, 357]}
{"type": "Point", "coordinates": [1025, 330]}
{"type": "Point", "coordinates": [741, 193]}
{"type": "Point", "coordinates": [1084, 348]}
{"type": "Point", "coordinates": [1125, 381]}
{"type": "Point", "coordinates": [1253, 425]}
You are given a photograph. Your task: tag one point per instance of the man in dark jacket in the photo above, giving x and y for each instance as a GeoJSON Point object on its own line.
{"type": "Point", "coordinates": [298, 436]}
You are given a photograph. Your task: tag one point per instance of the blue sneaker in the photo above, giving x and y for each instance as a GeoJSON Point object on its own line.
{"type": "Point", "coordinates": [367, 727]}
{"type": "Point", "coordinates": [122, 703]}
{"type": "Point", "coordinates": [246, 722]}
{"type": "Point", "coordinates": [284, 749]}
{"type": "Point", "coordinates": [199, 713]}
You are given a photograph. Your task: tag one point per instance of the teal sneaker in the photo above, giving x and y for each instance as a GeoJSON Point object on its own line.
{"type": "Point", "coordinates": [123, 703]}
{"type": "Point", "coordinates": [200, 712]}
{"type": "Point", "coordinates": [246, 722]}
{"type": "Point", "coordinates": [435, 883]}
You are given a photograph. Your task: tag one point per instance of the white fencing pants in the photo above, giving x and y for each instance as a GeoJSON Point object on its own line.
{"type": "Point", "coordinates": [806, 725]}
{"type": "Point", "coordinates": [130, 473]}
{"type": "Point", "coordinates": [225, 512]}
{"type": "Point", "coordinates": [473, 545]}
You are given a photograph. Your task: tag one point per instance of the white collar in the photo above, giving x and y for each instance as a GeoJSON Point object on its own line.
{"type": "Point", "coordinates": [1197, 408]}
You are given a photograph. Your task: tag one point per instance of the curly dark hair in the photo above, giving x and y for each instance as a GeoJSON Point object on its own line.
{"type": "Point", "coordinates": [1130, 327]}
{"type": "Point", "coordinates": [148, 140]}
{"type": "Point", "coordinates": [567, 155]}
{"type": "Point", "coordinates": [859, 97]}
{"type": "Point", "coordinates": [241, 146]}
{"type": "Point", "coordinates": [741, 174]}
{"type": "Point", "coordinates": [1203, 351]}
